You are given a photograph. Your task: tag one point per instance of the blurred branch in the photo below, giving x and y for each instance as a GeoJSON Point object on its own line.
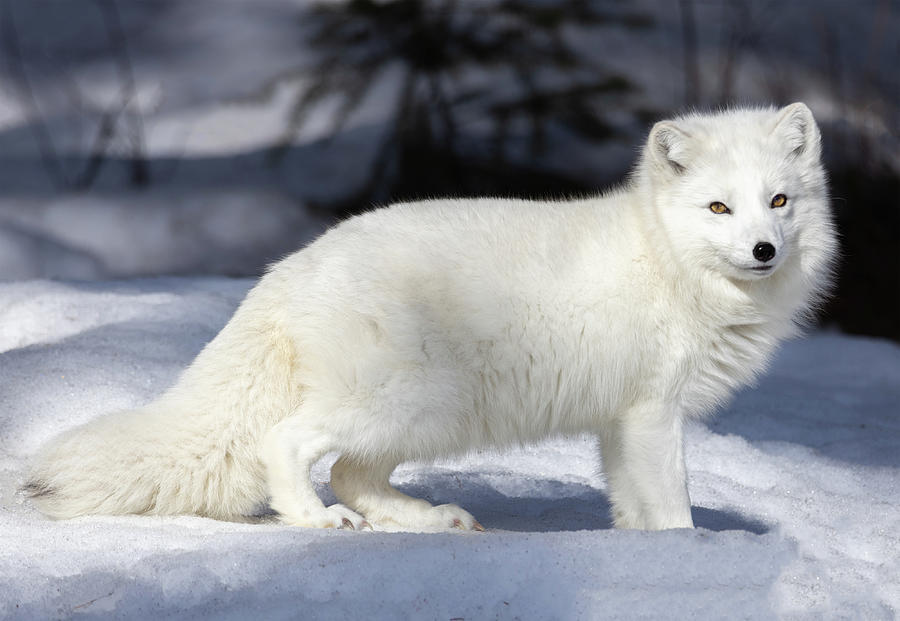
{"type": "Point", "coordinates": [746, 25]}
{"type": "Point", "coordinates": [106, 129]}
{"type": "Point", "coordinates": [109, 120]}
{"type": "Point", "coordinates": [140, 174]}
{"type": "Point", "coordinates": [16, 67]}
{"type": "Point", "coordinates": [692, 86]}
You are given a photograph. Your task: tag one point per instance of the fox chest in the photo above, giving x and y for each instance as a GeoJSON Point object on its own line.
{"type": "Point", "coordinates": [709, 369]}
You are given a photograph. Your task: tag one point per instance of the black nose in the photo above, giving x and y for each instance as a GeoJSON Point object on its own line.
{"type": "Point", "coordinates": [764, 251]}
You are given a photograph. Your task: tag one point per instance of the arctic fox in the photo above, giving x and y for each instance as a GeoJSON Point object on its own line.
{"type": "Point", "coordinates": [434, 328]}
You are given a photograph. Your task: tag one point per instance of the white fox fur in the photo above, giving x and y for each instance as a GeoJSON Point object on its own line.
{"type": "Point", "coordinates": [433, 328]}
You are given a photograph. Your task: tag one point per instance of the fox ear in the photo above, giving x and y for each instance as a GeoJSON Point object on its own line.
{"type": "Point", "coordinates": [796, 128]}
{"type": "Point", "coordinates": [668, 146]}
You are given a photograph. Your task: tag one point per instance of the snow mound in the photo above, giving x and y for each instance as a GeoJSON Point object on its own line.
{"type": "Point", "coordinates": [89, 237]}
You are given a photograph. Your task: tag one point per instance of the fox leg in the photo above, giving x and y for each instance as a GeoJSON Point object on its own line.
{"type": "Point", "coordinates": [643, 459]}
{"type": "Point", "coordinates": [289, 450]}
{"type": "Point", "coordinates": [366, 489]}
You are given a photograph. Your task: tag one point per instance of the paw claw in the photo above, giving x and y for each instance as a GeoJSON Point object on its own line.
{"type": "Point", "coordinates": [477, 526]}
{"type": "Point", "coordinates": [346, 523]}
{"type": "Point", "coordinates": [365, 525]}
{"type": "Point", "coordinates": [457, 523]}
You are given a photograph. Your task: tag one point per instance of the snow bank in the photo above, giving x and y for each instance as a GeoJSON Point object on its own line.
{"type": "Point", "coordinates": [210, 231]}
{"type": "Point", "coordinates": [795, 493]}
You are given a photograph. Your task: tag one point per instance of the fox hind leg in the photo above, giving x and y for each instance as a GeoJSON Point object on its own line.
{"type": "Point", "coordinates": [289, 450]}
{"type": "Point", "coordinates": [366, 488]}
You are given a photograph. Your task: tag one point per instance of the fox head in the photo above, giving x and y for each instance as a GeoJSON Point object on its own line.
{"type": "Point", "coordinates": [741, 193]}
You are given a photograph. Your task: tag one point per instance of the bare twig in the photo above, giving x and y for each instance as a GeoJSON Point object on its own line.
{"type": "Point", "coordinates": [16, 66]}
{"type": "Point", "coordinates": [109, 119]}
{"type": "Point", "coordinates": [692, 85]}
{"type": "Point", "coordinates": [89, 602]}
{"type": "Point", "coordinates": [140, 174]}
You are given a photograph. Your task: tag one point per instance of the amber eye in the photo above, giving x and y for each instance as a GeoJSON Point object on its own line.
{"type": "Point", "coordinates": [718, 207]}
{"type": "Point", "coordinates": [780, 200]}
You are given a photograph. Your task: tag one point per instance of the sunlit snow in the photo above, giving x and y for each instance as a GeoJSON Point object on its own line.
{"type": "Point", "coordinates": [795, 495]}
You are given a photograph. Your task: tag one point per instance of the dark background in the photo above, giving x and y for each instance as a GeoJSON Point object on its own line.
{"type": "Point", "coordinates": [164, 137]}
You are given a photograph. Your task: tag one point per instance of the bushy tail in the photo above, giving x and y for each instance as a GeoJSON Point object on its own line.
{"type": "Point", "coordinates": [136, 462]}
{"type": "Point", "coordinates": [194, 450]}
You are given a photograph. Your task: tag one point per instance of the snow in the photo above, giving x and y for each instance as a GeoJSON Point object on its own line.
{"type": "Point", "coordinates": [795, 492]}
{"type": "Point", "coordinates": [198, 231]}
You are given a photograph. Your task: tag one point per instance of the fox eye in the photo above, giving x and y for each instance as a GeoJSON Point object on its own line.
{"type": "Point", "coordinates": [718, 207]}
{"type": "Point", "coordinates": [779, 200]}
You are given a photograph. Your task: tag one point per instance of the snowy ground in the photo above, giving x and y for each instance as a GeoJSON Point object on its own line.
{"type": "Point", "coordinates": [795, 492]}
